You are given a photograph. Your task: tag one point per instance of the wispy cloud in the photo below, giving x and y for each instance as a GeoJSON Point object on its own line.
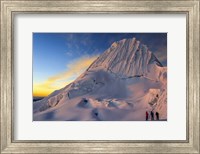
{"type": "Point", "coordinates": [69, 53]}
{"type": "Point", "coordinates": [74, 69]}
{"type": "Point", "coordinates": [76, 42]}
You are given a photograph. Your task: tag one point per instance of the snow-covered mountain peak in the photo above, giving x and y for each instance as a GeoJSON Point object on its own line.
{"type": "Point", "coordinates": [124, 41]}
{"type": "Point", "coordinates": [114, 45]}
{"type": "Point", "coordinates": [127, 57]}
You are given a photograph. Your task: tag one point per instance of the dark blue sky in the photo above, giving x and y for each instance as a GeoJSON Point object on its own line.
{"type": "Point", "coordinates": [54, 53]}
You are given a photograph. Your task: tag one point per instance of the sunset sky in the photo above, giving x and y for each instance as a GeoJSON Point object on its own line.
{"type": "Point", "coordinates": [59, 58]}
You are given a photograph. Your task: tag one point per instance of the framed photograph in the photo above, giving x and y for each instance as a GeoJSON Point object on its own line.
{"type": "Point", "coordinates": [99, 76]}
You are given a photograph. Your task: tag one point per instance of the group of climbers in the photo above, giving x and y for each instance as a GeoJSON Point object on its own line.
{"type": "Point", "coordinates": [151, 114]}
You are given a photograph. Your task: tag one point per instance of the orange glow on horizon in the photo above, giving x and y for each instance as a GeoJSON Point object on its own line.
{"type": "Point", "coordinates": [41, 93]}
{"type": "Point", "coordinates": [60, 80]}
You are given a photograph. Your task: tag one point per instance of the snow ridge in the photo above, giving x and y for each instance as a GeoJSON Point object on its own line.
{"type": "Point", "coordinates": [127, 58]}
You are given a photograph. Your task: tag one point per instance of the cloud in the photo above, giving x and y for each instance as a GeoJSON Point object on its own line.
{"type": "Point", "coordinates": [69, 53]}
{"type": "Point", "coordinates": [74, 69]}
{"type": "Point", "coordinates": [73, 39]}
{"type": "Point", "coordinates": [77, 42]}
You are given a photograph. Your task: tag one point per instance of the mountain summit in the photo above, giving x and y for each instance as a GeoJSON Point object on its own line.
{"type": "Point", "coordinates": [121, 84]}
{"type": "Point", "coordinates": [127, 58]}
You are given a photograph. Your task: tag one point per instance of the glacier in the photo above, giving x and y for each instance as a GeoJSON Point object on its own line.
{"type": "Point", "coordinates": [122, 84]}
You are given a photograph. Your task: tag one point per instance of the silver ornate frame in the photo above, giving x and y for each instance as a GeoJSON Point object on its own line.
{"type": "Point", "coordinates": [11, 7]}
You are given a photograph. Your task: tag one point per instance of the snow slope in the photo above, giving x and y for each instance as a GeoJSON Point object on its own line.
{"type": "Point", "coordinates": [122, 84]}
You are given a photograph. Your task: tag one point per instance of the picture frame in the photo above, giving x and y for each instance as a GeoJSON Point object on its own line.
{"type": "Point", "coordinates": [10, 8]}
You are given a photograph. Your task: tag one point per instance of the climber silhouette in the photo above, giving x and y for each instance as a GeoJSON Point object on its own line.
{"type": "Point", "coordinates": [157, 116]}
{"type": "Point", "coordinates": [152, 115]}
{"type": "Point", "coordinates": [147, 116]}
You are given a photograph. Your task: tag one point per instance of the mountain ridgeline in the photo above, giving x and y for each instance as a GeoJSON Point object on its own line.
{"type": "Point", "coordinates": [127, 58]}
